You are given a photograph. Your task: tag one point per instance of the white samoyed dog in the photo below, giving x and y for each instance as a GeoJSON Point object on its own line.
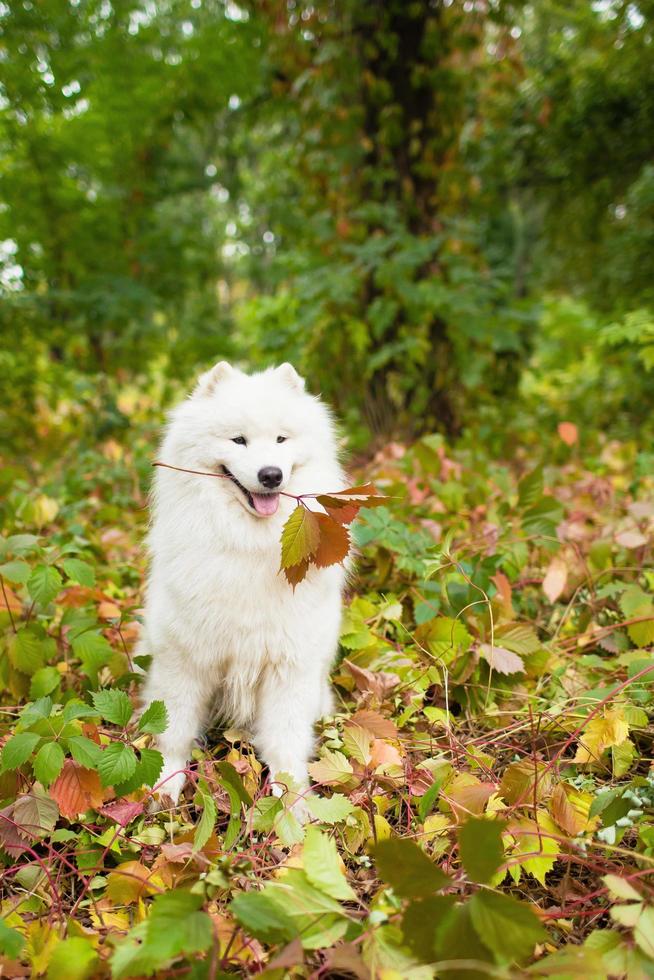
{"type": "Point", "coordinates": [228, 635]}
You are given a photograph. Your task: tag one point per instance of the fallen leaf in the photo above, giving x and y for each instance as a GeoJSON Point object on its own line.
{"type": "Point", "coordinates": [77, 790]}
{"type": "Point", "coordinates": [502, 660]}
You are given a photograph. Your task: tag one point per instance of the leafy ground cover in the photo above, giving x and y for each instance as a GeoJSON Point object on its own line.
{"type": "Point", "coordinates": [483, 800]}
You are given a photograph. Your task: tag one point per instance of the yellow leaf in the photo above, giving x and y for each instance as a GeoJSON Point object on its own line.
{"type": "Point", "coordinates": [300, 537]}
{"type": "Point", "coordinates": [600, 734]}
{"type": "Point", "coordinates": [130, 882]}
{"type": "Point", "coordinates": [570, 807]}
{"type": "Point", "coordinates": [535, 847]}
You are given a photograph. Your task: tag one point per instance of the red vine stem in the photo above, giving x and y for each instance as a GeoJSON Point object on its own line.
{"type": "Point", "coordinates": [223, 476]}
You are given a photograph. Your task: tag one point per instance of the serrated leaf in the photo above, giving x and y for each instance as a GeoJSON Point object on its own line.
{"type": "Point", "coordinates": [117, 763]}
{"type": "Point", "coordinates": [530, 488]}
{"type": "Point", "coordinates": [44, 681]}
{"type": "Point", "coordinates": [18, 750]}
{"type": "Point", "coordinates": [502, 660]}
{"type": "Point", "coordinates": [84, 750]}
{"type": "Point", "coordinates": [481, 848]}
{"type": "Point", "coordinates": [27, 652]}
{"type": "Point", "coordinates": [334, 543]}
{"type": "Point", "coordinates": [570, 808]}
{"type": "Point", "coordinates": [508, 928]}
{"type": "Point", "coordinates": [600, 733]}
{"type": "Point", "coordinates": [407, 869]}
{"type": "Point", "coordinates": [114, 706]}
{"type": "Point", "coordinates": [300, 537]}
{"type": "Point", "coordinates": [44, 584]}
{"type": "Point", "coordinates": [322, 866]}
{"type": "Point", "coordinates": [35, 814]}
{"type": "Point", "coordinates": [11, 941]}
{"type": "Point", "coordinates": [79, 571]}
{"type": "Point", "coordinates": [48, 762]}
{"type": "Point", "coordinates": [76, 790]}
{"type": "Point", "coordinates": [16, 571]}
{"type": "Point", "coordinates": [329, 810]}
{"type": "Point", "coordinates": [154, 719]}
{"type": "Point", "coordinates": [147, 772]}
{"type": "Point", "coordinates": [331, 769]}
{"type": "Point", "coordinates": [74, 958]}
{"type": "Point", "coordinates": [263, 917]}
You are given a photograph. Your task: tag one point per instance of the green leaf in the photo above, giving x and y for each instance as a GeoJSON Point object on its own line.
{"type": "Point", "coordinates": [154, 719]}
{"type": "Point", "coordinates": [230, 778]}
{"type": "Point", "coordinates": [147, 772]}
{"type": "Point", "coordinates": [114, 706]}
{"type": "Point", "coordinates": [44, 681]}
{"type": "Point", "coordinates": [73, 959]}
{"type": "Point", "coordinates": [117, 763]}
{"type": "Point", "coordinates": [407, 869]}
{"type": "Point", "coordinates": [319, 919]}
{"type": "Point", "coordinates": [18, 750]}
{"type": "Point", "coordinates": [480, 848]}
{"type": "Point", "coordinates": [27, 652]}
{"type": "Point", "coordinates": [11, 941]}
{"type": "Point", "coordinates": [423, 919]}
{"type": "Point", "coordinates": [44, 583]}
{"type": "Point", "coordinates": [263, 917]}
{"type": "Point", "coordinates": [48, 762]}
{"type": "Point", "coordinates": [207, 821]}
{"type": "Point", "coordinates": [93, 650]}
{"type": "Point", "coordinates": [15, 571]}
{"type": "Point", "coordinates": [85, 751]}
{"type": "Point", "coordinates": [79, 571]}
{"type": "Point", "coordinates": [530, 488]}
{"type": "Point", "coordinates": [322, 866]}
{"type": "Point", "coordinates": [331, 809]}
{"type": "Point", "coordinates": [79, 709]}
{"type": "Point", "coordinates": [508, 928]}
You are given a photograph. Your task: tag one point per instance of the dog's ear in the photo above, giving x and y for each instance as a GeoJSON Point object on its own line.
{"type": "Point", "coordinates": [290, 376]}
{"type": "Point", "coordinates": [208, 381]}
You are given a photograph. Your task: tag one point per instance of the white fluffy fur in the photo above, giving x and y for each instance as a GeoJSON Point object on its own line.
{"type": "Point", "coordinates": [227, 634]}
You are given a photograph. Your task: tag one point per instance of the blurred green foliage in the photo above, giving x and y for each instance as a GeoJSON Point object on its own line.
{"type": "Point", "coordinates": [442, 212]}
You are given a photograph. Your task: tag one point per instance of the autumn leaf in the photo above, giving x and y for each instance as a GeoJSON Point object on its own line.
{"type": "Point", "coordinates": [555, 578]}
{"type": "Point", "coordinates": [568, 433]}
{"type": "Point", "coordinates": [601, 733]}
{"type": "Point", "coordinates": [300, 536]}
{"type": "Point", "coordinates": [334, 543]}
{"type": "Point", "coordinates": [570, 808]}
{"type": "Point", "coordinates": [77, 790]}
{"type": "Point", "coordinates": [502, 660]}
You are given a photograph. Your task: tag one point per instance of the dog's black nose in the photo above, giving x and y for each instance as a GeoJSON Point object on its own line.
{"type": "Point", "coordinates": [270, 477]}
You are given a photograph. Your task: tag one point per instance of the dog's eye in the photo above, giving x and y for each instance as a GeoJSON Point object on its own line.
{"type": "Point", "coordinates": [240, 441]}
{"type": "Point", "coordinates": [281, 438]}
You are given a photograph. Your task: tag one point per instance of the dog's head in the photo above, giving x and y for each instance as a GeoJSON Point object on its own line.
{"type": "Point", "coordinates": [258, 430]}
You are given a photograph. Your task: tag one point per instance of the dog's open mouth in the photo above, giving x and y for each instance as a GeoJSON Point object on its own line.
{"type": "Point", "coordinates": [263, 504]}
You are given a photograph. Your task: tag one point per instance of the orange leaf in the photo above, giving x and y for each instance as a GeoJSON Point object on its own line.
{"type": "Point", "coordinates": [76, 790]}
{"type": "Point", "coordinates": [568, 433]}
{"type": "Point", "coordinates": [295, 573]}
{"type": "Point", "coordinates": [334, 543]}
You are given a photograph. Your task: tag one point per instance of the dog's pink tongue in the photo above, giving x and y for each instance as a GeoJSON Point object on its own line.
{"type": "Point", "coordinates": [265, 503]}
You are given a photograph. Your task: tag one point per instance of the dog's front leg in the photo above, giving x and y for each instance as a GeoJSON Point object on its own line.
{"type": "Point", "coordinates": [288, 706]}
{"type": "Point", "coordinates": [185, 697]}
